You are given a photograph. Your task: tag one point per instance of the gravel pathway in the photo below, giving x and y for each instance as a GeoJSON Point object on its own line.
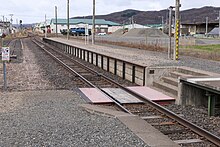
{"type": "Point", "coordinates": [53, 118]}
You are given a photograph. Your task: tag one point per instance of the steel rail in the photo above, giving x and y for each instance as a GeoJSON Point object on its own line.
{"type": "Point", "coordinates": [196, 129]}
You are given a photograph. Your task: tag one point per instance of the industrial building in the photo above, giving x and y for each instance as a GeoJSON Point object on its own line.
{"type": "Point", "coordinates": [101, 25]}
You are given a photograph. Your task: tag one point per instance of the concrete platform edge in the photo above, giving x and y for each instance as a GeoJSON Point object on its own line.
{"type": "Point", "coordinates": [138, 126]}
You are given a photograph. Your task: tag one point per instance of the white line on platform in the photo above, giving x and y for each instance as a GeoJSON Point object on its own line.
{"type": "Point", "coordinates": [193, 80]}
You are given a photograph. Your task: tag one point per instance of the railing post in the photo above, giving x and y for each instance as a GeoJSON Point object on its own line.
{"type": "Point", "coordinates": [133, 74]}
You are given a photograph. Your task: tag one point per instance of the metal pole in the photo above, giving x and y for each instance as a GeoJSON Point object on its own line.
{"type": "Point", "coordinates": [3, 22]}
{"type": "Point", "coordinates": [132, 19]}
{"type": "Point", "coordinates": [68, 20]}
{"type": "Point", "coordinates": [170, 32]}
{"type": "Point", "coordinates": [206, 28]}
{"type": "Point", "coordinates": [93, 24]}
{"type": "Point", "coordinates": [45, 26]}
{"type": "Point", "coordinates": [56, 20]}
{"type": "Point", "coordinates": [5, 79]}
{"type": "Point", "coordinates": [4, 70]}
{"type": "Point", "coordinates": [17, 23]}
{"type": "Point", "coordinates": [177, 30]}
{"type": "Point", "coordinates": [162, 24]}
{"type": "Point", "coordinates": [219, 25]}
{"type": "Point", "coordinates": [11, 22]}
{"type": "Point", "coordinates": [85, 29]}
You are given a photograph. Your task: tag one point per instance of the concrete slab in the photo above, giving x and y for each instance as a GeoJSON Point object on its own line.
{"type": "Point", "coordinates": [103, 111]}
{"type": "Point", "coordinates": [151, 94]}
{"type": "Point", "coordinates": [122, 96]}
{"type": "Point", "coordinates": [188, 141]}
{"type": "Point", "coordinates": [95, 96]}
{"type": "Point", "coordinates": [141, 128]}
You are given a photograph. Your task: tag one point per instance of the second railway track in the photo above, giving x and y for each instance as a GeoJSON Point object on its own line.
{"type": "Point", "coordinates": [166, 121]}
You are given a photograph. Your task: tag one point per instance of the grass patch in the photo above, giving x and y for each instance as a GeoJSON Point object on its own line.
{"type": "Point", "coordinates": [208, 48]}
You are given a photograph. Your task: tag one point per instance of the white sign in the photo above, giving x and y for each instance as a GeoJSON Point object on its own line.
{"type": "Point", "coordinates": [5, 53]}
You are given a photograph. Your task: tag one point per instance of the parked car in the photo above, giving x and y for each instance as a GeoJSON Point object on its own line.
{"type": "Point", "coordinates": [63, 31]}
{"type": "Point", "coordinates": [102, 34]}
{"type": "Point", "coordinates": [78, 31]}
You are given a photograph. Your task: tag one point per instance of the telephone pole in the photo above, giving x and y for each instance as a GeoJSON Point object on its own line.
{"type": "Point", "coordinates": [45, 26]}
{"type": "Point", "coordinates": [56, 20]}
{"type": "Point", "coordinates": [219, 24]}
{"type": "Point", "coordinates": [177, 30]}
{"type": "Point", "coordinates": [68, 20]}
{"type": "Point", "coordinates": [11, 22]}
{"type": "Point", "coordinates": [170, 32]}
{"type": "Point", "coordinates": [206, 26]}
{"type": "Point", "coordinates": [162, 22]}
{"type": "Point", "coordinates": [93, 24]}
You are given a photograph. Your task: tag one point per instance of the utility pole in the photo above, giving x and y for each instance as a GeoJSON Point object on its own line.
{"type": "Point", "coordinates": [68, 20]}
{"type": "Point", "coordinates": [93, 23]}
{"type": "Point", "coordinates": [11, 22]}
{"type": "Point", "coordinates": [170, 31]}
{"type": "Point", "coordinates": [4, 67]}
{"type": "Point", "coordinates": [132, 20]}
{"type": "Point", "coordinates": [219, 24]}
{"type": "Point", "coordinates": [177, 30]}
{"type": "Point", "coordinates": [3, 22]}
{"type": "Point", "coordinates": [162, 22]}
{"type": "Point", "coordinates": [45, 26]}
{"type": "Point", "coordinates": [206, 27]}
{"type": "Point", "coordinates": [56, 20]}
{"type": "Point", "coordinates": [17, 24]}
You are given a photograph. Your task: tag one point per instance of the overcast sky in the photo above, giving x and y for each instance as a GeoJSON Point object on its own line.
{"type": "Point", "coordinates": [31, 11]}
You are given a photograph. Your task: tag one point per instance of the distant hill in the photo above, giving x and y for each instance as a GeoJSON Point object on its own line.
{"type": "Point", "coordinates": [196, 15]}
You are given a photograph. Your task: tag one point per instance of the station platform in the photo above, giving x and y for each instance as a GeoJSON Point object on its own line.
{"type": "Point", "coordinates": [129, 55]}
{"type": "Point", "coordinates": [200, 91]}
{"type": "Point", "coordinates": [96, 97]}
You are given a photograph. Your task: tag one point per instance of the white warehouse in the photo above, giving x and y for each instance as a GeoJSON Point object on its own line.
{"type": "Point", "coordinates": [101, 25]}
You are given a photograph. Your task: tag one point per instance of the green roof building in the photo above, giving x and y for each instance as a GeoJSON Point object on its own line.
{"type": "Point", "coordinates": [101, 25]}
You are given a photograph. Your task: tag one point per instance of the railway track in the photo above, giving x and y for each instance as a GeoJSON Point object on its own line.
{"type": "Point", "coordinates": [171, 124]}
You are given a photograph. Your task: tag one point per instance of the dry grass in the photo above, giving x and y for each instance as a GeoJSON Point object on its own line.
{"type": "Point", "coordinates": [201, 54]}
{"type": "Point", "coordinates": [136, 45]}
{"type": "Point", "coordinates": [189, 52]}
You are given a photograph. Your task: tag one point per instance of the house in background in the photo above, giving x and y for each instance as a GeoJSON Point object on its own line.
{"type": "Point", "coordinates": [40, 27]}
{"type": "Point", "coordinates": [154, 26]}
{"type": "Point", "coordinates": [196, 28]}
{"type": "Point", "coordinates": [214, 32]}
{"type": "Point", "coordinates": [101, 25]}
{"type": "Point", "coordinates": [134, 26]}
{"type": "Point", "coordinates": [4, 28]}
